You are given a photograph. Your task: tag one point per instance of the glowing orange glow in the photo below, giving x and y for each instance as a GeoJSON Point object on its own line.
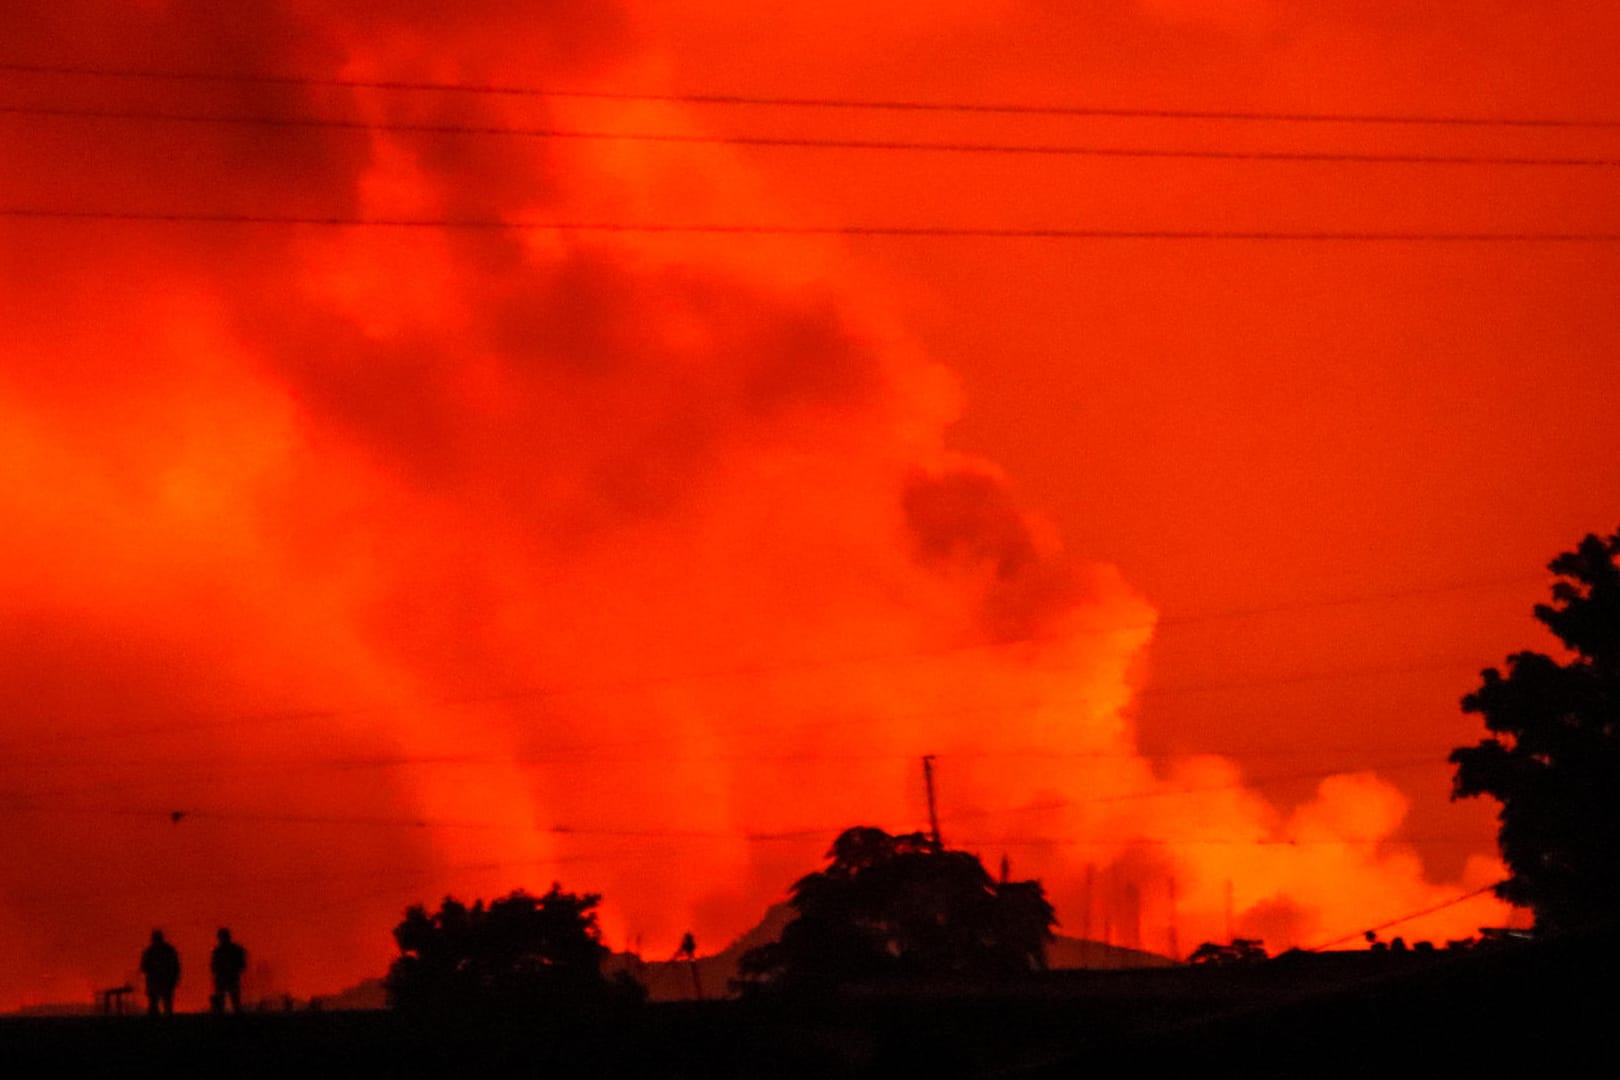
{"type": "Point", "coordinates": [412, 561]}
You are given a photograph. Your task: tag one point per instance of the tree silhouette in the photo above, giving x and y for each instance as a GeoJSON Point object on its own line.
{"type": "Point", "coordinates": [898, 905]}
{"type": "Point", "coordinates": [1237, 951]}
{"type": "Point", "coordinates": [517, 953]}
{"type": "Point", "coordinates": [1553, 758]}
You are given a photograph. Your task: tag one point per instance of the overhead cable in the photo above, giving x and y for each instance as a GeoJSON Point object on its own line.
{"type": "Point", "coordinates": [1289, 116]}
{"type": "Point", "coordinates": [1453, 902]}
{"type": "Point", "coordinates": [813, 143]}
{"type": "Point", "coordinates": [951, 232]}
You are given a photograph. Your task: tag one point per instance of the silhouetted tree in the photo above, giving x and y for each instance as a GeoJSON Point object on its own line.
{"type": "Point", "coordinates": [897, 905]}
{"type": "Point", "coordinates": [1238, 951]}
{"type": "Point", "coordinates": [519, 952]}
{"type": "Point", "coordinates": [1553, 757]}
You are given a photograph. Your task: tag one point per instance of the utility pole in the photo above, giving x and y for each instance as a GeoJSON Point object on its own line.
{"type": "Point", "coordinates": [1175, 930]}
{"type": "Point", "coordinates": [1091, 900]}
{"type": "Point", "coordinates": [933, 814]}
{"type": "Point", "coordinates": [1132, 931]}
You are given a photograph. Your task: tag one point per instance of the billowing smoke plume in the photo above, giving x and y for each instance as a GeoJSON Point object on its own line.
{"type": "Point", "coordinates": [345, 567]}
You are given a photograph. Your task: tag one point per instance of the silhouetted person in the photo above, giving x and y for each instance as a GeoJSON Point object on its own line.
{"type": "Point", "coordinates": [227, 964]}
{"type": "Point", "coordinates": [688, 952]}
{"type": "Point", "coordinates": [160, 964]}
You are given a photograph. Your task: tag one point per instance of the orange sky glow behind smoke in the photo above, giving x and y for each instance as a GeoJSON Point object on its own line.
{"type": "Point", "coordinates": [407, 562]}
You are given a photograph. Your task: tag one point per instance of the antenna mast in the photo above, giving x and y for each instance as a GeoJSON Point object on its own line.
{"type": "Point", "coordinates": [933, 814]}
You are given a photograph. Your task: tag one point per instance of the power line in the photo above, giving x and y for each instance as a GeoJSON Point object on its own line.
{"type": "Point", "coordinates": [806, 833]}
{"type": "Point", "coordinates": [251, 817]}
{"type": "Point", "coordinates": [1453, 902]}
{"type": "Point", "coordinates": [942, 232]}
{"type": "Point", "coordinates": [806, 142]}
{"type": "Point", "coordinates": [1170, 621]}
{"type": "Point", "coordinates": [257, 880]}
{"type": "Point", "coordinates": [569, 752]}
{"type": "Point", "coordinates": [405, 876]}
{"type": "Point", "coordinates": [818, 102]}
{"type": "Point", "coordinates": [1480, 584]}
{"type": "Point", "coordinates": [213, 772]}
{"type": "Point", "coordinates": [589, 756]}
{"type": "Point", "coordinates": [1306, 677]}
{"type": "Point", "coordinates": [851, 231]}
{"type": "Point", "coordinates": [1198, 841]}
{"type": "Point", "coordinates": [179, 816]}
{"type": "Point", "coordinates": [431, 870]}
{"type": "Point", "coordinates": [1165, 793]}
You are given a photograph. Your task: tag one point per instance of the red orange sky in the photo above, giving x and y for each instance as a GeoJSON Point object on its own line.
{"type": "Point", "coordinates": [406, 561]}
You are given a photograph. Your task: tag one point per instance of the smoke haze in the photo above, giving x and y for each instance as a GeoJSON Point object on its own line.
{"type": "Point", "coordinates": [399, 562]}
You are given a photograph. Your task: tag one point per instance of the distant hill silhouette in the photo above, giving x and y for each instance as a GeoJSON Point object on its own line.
{"type": "Point", "coordinates": [366, 994]}
{"type": "Point", "coordinates": [671, 980]}
{"type": "Point", "coordinates": [1066, 953]}
{"type": "Point", "coordinates": [59, 1008]}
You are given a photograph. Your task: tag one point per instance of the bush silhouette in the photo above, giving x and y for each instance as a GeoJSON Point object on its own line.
{"type": "Point", "coordinates": [891, 906]}
{"type": "Point", "coordinates": [1237, 951]}
{"type": "Point", "coordinates": [518, 953]}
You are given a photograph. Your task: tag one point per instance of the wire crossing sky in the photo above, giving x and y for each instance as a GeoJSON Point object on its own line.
{"type": "Point", "coordinates": [1335, 157]}
{"type": "Point", "coordinates": [893, 231]}
{"type": "Point", "coordinates": [811, 102]}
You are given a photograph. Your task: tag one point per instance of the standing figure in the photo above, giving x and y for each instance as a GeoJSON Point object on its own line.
{"type": "Point", "coordinates": [161, 966]}
{"type": "Point", "coordinates": [227, 964]}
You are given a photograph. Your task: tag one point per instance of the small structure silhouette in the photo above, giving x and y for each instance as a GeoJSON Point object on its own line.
{"type": "Point", "coordinates": [111, 1000]}
{"type": "Point", "coordinates": [160, 965]}
{"type": "Point", "coordinates": [226, 965]}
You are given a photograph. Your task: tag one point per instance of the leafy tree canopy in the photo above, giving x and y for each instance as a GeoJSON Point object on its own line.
{"type": "Point", "coordinates": [519, 951]}
{"type": "Point", "coordinates": [1553, 755]}
{"type": "Point", "coordinates": [898, 905]}
{"type": "Point", "coordinates": [1237, 951]}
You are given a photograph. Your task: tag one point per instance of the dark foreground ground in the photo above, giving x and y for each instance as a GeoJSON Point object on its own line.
{"type": "Point", "coordinates": [1538, 1010]}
